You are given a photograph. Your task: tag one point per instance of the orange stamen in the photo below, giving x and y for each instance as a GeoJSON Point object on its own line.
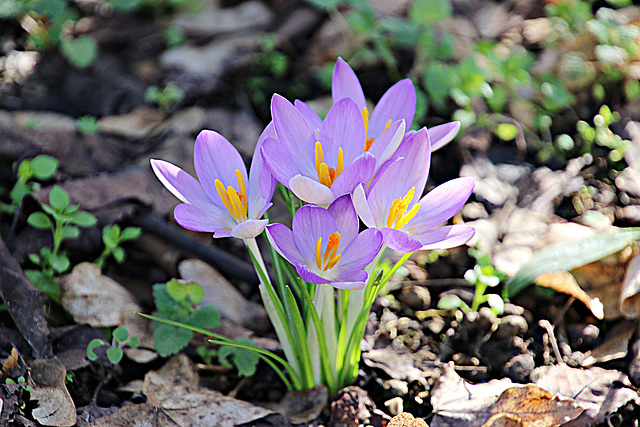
{"type": "Point", "coordinates": [326, 174]}
{"type": "Point", "coordinates": [234, 200]}
{"type": "Point", "coordinates": [398, 215]}
{"type": "Point", "coordinates": [330, 258]}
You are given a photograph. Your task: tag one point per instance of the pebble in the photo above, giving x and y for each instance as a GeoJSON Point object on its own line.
{"type": "Point", "coordinates": [583, 336]}
{"type": "Point", "coordinates": [415, 297]}
{"type": "Point", "coordinates": [512, 325]}
{"type": "Point", "coordinates": [519, 368]}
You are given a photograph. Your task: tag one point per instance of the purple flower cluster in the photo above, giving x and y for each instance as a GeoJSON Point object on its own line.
{"type": "Point", "coordinates": [351, 164]}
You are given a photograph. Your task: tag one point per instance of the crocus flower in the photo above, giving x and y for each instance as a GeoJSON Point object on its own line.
{"type": "Point", "coordinates": [324, 245]}
{"type": "Point", "coordinates": [318, 164]}
{"type": "Point", "coordinates": [391, 203]}
{"type": "Point", "coordinates": [398, 103]}
{"type": "Point", "coordinates": [221, 202]}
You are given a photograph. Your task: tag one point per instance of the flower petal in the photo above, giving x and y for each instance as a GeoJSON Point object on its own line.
{"type": "Point", "coordinates": [309, 223]}
{"type": "Point", "coordinates": [194, 218]}
{"type": "Point", "coordinates": [362, 206]}
{"type": "Point", "coordinates": [351, 286]}
{"type": "Point", "coordinates": [400, 241]}
{"type": "Point", "coordinates": [360, 252]}
{"type": "Point", "coordinates": [399, 102]}
{"type": "Point", "coordinates": [180, 184]}
{"type": "Point", "coordinates": [345, 84]}
{"type": "Point", "coordinates": [342, 128]}
{"type": "Point", "coordinates": [346, 219]}
{"type": "Point", "coordinates": [313, 119]}
{"type": "Point", "coordinates": [249, 229]}
{"type": "Point", "coordinates": [216, 158]}
{"type": "Point", "coordinates": [440, 204]}
{"type": "Point", "coordinates": [281, 238]}
{"type": "Point", "coordinates": [278, 161]}
{"type": "Point", "coordinates": [387, 143]}
{"type": "Point", "coordinates": [358, 172]}
{"type": "Point", "coordinates": [442, 134]}
{"type": "Point", "coordinates": [294, 133]}
{"type": "Point", "coordinates": [446, 237]}
{"type": "Point", "coordinates": [261, 183]}
{"type": "Point", "coordinates": [311, 191]}
{"type": "Point", "coordinates": [309, 276]}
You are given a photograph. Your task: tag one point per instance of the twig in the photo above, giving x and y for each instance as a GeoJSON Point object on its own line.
{"type": "Point", "coordinates": [552, 338]}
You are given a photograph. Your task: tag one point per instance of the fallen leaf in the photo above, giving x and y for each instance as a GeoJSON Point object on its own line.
{"type": "Point", "coordinates": [405, 419]}
{"type": "Point", "coordinates": [564, 282]}
{"type": "Point", "coordinates": [531, 406]}
{"type": "Point", "coordinates": [599, 391]}
{"type": "Point", "coordinates": [55, 406]}
{"type": "Point", "coordinates": [175, 399]}
{"type": "Point", "coordinates": [630, 293]}
{"type": "Point", "coordinates": [10, 362]}
{"type": "Point", "coordinates": [615, 345]}
{"type": "Point", "coordinates": [303, 406]}
{"type": "Point", "coordinates": [398, 365]}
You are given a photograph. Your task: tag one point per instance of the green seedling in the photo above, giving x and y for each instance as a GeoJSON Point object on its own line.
{"type": "Point", "coordinates": [179, 302]}
{"type": "Point", "coordinates": [483, 275]}
{"type": "Point", "coordinates": [41, 168]}
{"type": "Point", "coordinates": [119, 339]}
{"type": "Point", "coordinates": [87, 125]}
{"type": "Point", "coordinates": [244, 361]}
{"type": "Point", "coordinates": [165, 97]}
{"type": "Point", "coordinates": [113, 237]}
{"type": "Point", "coordinates": [63, 220]}
{"type": "Point", "coordinates": [20, 381]}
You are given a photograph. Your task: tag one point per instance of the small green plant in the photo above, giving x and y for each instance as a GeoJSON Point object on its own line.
{"type": "Point", "coordinates": [20, 381]}
{"type": "Point", "coordinates": [119, 339]}
{"type": "Point", "coordinates": [87, 125]}
{"type": "Point", "coordinates": [113, 237]}
{"type": "Point", "coordinates": [64, 220]}
{"type": "Point", "coordinates": [40, 168]}
{"type": "Point", "coordinates": [179, 302]}
{"type": "Point", "coordinates": [244, 361]}
{"type": "Point", "coordinates": [165, 97]}
{"type": "Point", "coordinates": [483, 275]}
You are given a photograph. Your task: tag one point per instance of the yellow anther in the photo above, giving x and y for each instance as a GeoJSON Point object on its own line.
{"type": "Point", "coordinates": [398, 215]}
{"type": "Point", "coordinates": [331, 257]}
{"type": "Point", "coordinates": [235, 201]}
{"type": "Point", "coordinates": [326, 174]}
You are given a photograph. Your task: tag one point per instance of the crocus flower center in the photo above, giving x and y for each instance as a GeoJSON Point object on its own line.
{"type": "Point", "coordinates": [398, 215]}
{"type": "Point", "coordinates": [234, 200]}
{"type": "Point", "coordinates": [368, 140]}
{"type": "Point", "coordinates": [326, 174]}
{"type": "Point", "coordinates": [331, 256]}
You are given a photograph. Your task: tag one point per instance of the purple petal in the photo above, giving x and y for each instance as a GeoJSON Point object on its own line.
{"type": "Point", "coordinates": [249, 229]}
{"type": "Point", "coordinates": [181, 184]}
{"type": "Point", "coordinates": [313, 119]}
{"type": "Point", "coordinates": [442, 134]}
{"type": "Point", "coordinates": [446, 237]}
{"type": "Point", "coordinates": [261, 183]}
{"type": "Point", "coordinates": [308, 275]}
{"type": "Point", "coordinates": [279, 161]}
{"type": "Point", "coordinates": [311, 191]}
{"type": "Point", "coordinates": [281, 238]}
{"type": "Point", "coordinates": [345, 84]}
{"type": "Point", "coordinates": [360, 252]}
{"type": "Point", "coordinates": [399, 102]}
{"type": "Point", "coordinates": [400, 241]}
{"type": "Point", "coordinates": [358, 172]}
{"type": "Point", "coordinates": [194, 218]}
{"type": "Point", "coordinates": [440, 204]}
{"type": "Point", "coordinates": [309, 223]}
{"type": "Point", "coordinates": [343, 127]}
{"type": "Point", "coordinates": [351, 286]}
{"type": "Point", "coordinates": [215, 158]}
{"type": "Point", "coordinates": [362, 206]}
{"type": "Point", "coordinates": [294, 133]}
{"type": "Point", "coordinates": [346, 219]}
{"type": "Point", "coordinates": [387, 143]}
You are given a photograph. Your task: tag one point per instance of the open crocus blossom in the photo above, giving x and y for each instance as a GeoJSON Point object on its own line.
{"type": "Point", "coordinates": [397, 103]}
{"type": "Point", "coordinates": [224, 201]}
{"type": "Point", "coordinates": [324, 245]}
{"type": "Point", "coordinates": [318, 164]}
{"type": "Point", "coordinates": [391, 204]}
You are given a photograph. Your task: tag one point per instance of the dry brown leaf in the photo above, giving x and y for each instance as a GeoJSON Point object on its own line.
{"type": "Point", "coordinates": [405, 419]}
{"type": "Point", "coordinates": [10, 362]}
{"type": "Point", "coordinates": [95, 299]}
{"type": "Point", "coordinates": [533, 407]}
{"type": "Point", "coordinates": [615, 345]}
{"type": "Point", "coordinates": [303, 406]}
{"type": "Point", "coordinates": [564, 282]}
{"type": "Point", "coordinates": [630, 294]}
{"type": "Point", "coordinates": [599, 391]}
{"type": "Point", "coordinates": [55, 406]}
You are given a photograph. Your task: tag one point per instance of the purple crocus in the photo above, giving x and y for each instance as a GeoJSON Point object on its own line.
{"type": "Point", "coordinates": [221, 202]}
{"type": "Point", "coordinates": [391, 203]}
{"type": "Point", "coordinates": [324, 245]}
{"type": "Point", "coordinates": [318, 164]}
{"type": "Point", "coordinates": [397, 103]}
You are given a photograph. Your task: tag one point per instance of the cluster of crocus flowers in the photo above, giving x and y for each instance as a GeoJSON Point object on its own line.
{"type": "Point", "coordinates": [352, 166]}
